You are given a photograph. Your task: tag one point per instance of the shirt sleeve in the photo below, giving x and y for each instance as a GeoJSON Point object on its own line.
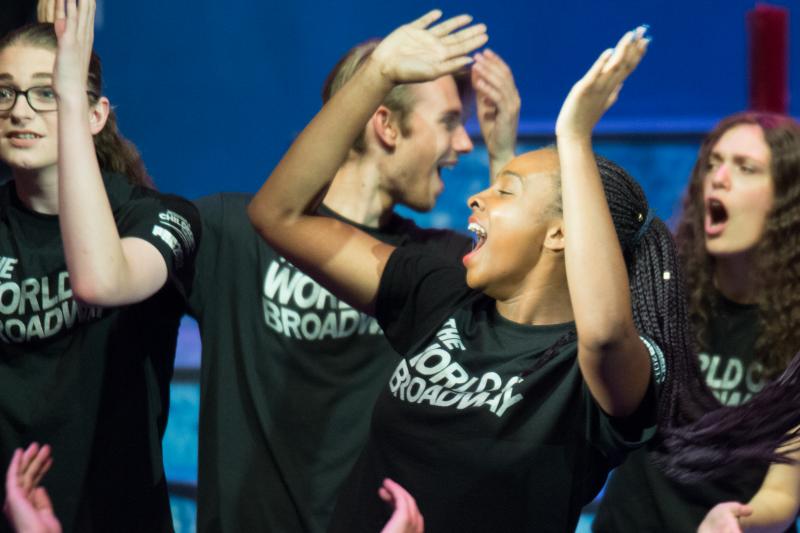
{"type": "Point", "coordinates": [418, 290]}
{"type": "Point", "coordinates": [616, 436]}
{"type": "Point", "coordinates": [171, 224]}
{"type": "Point", "coordinates": [449, 244]}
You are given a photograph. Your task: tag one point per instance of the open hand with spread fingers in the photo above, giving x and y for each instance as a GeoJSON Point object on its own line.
{"type": "Point", "coordinates": [27, 505]}
{"type": "Point", "coordinates": [593, 94]}
{"type": "Point", "coordinates": [74, 27]}
{"type": "Point", "coordinates": [418, 52]}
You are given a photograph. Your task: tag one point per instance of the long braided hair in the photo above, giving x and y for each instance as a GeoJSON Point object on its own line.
{"type": "Point", "coordinates": [697, 437]}
{"type": "Point", "coordinates": [657, 294]}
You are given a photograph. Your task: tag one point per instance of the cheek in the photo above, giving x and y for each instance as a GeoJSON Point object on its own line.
{"type": "Point", "coordinates": [759, 200]}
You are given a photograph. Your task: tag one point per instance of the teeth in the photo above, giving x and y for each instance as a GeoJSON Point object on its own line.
{"type": "Point", "coordinates": [25, 136]}
{"type": "Point", "coordinates": [477, 229]}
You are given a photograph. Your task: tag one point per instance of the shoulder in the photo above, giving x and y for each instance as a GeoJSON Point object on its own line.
{"type": "Point", "coordinates": [223, 202]}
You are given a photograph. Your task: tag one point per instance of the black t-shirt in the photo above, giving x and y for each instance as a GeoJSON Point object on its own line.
{"type": "Point", "coordinates": [289, 375]}
{"type": "Point", "coordinates": [481, 437]}
{"type": "Point", "coordinates": [92, 382]}
{"type": "Point", "coordinates": [639, 497]}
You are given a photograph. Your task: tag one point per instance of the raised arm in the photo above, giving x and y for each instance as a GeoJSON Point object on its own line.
{"type": "Point", "coordinates": [498, 104]}
{"type": "Point", "coordinates": [343, 258]}
{"type": "Point", "coordinates": [104, 269]}
{"type": "Point", "coordinates": [613, 360]}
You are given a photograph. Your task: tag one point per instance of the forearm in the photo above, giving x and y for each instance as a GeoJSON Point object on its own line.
{"type": "Point", "coordinates": [341, 257]}
{"type": "Point", "coordinates": [314, 158]}
{"type": "Point", "coordinates": [611, 356]}
{"type": "Point", "coordinates": [497, 162]}
{"type": "Point", "coordinates": [773, 511]}
{"type": "Point", "coordinates": [776, 503]}
{"type": "Point", "coordinates": [596, 271]}
{"type": "Point", "coordinates": [92, 245]}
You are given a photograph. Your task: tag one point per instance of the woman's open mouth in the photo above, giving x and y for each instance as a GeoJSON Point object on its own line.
{"type": "Point", "coordinates": [716, 217]}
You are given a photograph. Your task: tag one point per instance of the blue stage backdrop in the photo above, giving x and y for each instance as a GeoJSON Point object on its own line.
{"type": "Point", "coordinates": [214, 92]}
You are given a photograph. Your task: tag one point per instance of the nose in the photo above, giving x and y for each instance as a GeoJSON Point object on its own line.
{"type": "Point", "coordinates": [475, 202]}
{"type": "Point", "coordinates": [461, 142]}
{"type": "Point", "coordinates": [21, 108]}
{"type": "Point", "coordinates": [721, 177]}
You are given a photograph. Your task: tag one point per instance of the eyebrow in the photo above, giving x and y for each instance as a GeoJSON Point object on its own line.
{"type": "Point", "coordinates": [451, 115]}
{"type": "Point", "coordinates": [4, 76]}
{"type": "Point", "coordinates": [738, 158]}
{"type": "Point", "coordinates": [514, 175]}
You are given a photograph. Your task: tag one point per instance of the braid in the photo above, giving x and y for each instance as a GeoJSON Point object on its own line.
{"type": "Point", "coordinates": [697, 437]}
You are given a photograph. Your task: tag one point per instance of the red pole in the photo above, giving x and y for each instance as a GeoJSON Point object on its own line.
{"type": "Point", "coordinates": [769, 39]}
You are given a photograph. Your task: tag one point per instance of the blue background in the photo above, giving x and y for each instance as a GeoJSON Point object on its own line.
{"type": "Point", "coordinates": [213, 93]}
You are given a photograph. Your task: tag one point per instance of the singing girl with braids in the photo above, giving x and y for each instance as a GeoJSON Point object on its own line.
{"type": "Point", "coordinates": [92, 266]}
{"type": "Point", "coordinates": [500, 417]}
{"type": "Point", "coordinates": [737, 239]}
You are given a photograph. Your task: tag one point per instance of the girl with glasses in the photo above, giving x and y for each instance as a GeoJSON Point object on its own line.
{"type": "Point", "coordinates": [93, 262]}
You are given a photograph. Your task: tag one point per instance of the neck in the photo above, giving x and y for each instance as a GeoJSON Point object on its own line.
{"type": "Point", "coordinates": [357, 195]}
{"type": "Point", "coordinates": [543, 299]}
{"type": "Point", "coordinates": [733, 277]}
{"type": "Point", "coordinates": [38, 189]}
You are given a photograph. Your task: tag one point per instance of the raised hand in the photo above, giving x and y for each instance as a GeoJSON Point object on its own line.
{"type": "Point", "coordinates": [498, 106]}
{"type": "Point", "coordinates": [406, 517]}
{"type": "Point", "coordinates": [27, 505]}
{"type": "Point", "coordinates": [593, 94]}
{"type": "Point", "coordinates": [724, 518]}
{"type": "Point", "coordinates": [416, 52]}
{"type": "Point", "coordinates": [46, 11]}
{"type": "Point", "coordinates": [75, 31]}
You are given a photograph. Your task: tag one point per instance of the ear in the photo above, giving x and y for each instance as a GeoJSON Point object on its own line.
{"type": "Point", "coordinates": [385, 127]}
{"type": "Point", "coordinates": [98, 115]}
{"type": "Point", "coordinates": [554, 238]}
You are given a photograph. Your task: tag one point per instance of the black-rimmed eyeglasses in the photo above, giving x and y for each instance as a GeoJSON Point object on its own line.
{"type": "Point", "coordinates": [39, 98]}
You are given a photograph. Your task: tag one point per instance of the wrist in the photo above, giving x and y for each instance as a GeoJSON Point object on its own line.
{"type": "Point", "coordinates": [501, 156]}
{"type": "Point", "coordinates": [71, 95]}
{"type": "Point", "coordinates": [566, 138]}
{"type": "Point", "coordinates": [378, 74]}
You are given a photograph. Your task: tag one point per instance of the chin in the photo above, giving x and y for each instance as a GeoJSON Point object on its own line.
{"type": "Point", "coordinates": [25, 162]}
{"type": "Point", "coordinates": [723, 250]}
{"type": "Point", "coordinates": [421, 207]}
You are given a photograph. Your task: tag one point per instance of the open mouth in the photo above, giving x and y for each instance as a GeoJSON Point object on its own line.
{"type": "Point", "coordinates": [479, 235]}
{"type": "Point", "coordinates": [24, 135]}
{"type": "Point", "coordinates": [716, 216]}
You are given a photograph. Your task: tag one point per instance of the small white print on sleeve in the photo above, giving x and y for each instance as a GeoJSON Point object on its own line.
{"type": "Point", "coordinates": [432, 376]}
{"type": "Point", "coordinates": [176, 232]}
{"type": "Point", "coordinates": [656, 359]}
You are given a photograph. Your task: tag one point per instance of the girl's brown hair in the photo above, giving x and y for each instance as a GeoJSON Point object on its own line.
{"type": "Point", "coordinates": [777, 254]}
{"type": "Point", "coordinates": [114, 152]}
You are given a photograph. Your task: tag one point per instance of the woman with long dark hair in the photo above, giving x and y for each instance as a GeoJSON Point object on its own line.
{"type": "Point", "coordinates": [737, 239]}
{"type": "Point", "coordinates": [92, 265]}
